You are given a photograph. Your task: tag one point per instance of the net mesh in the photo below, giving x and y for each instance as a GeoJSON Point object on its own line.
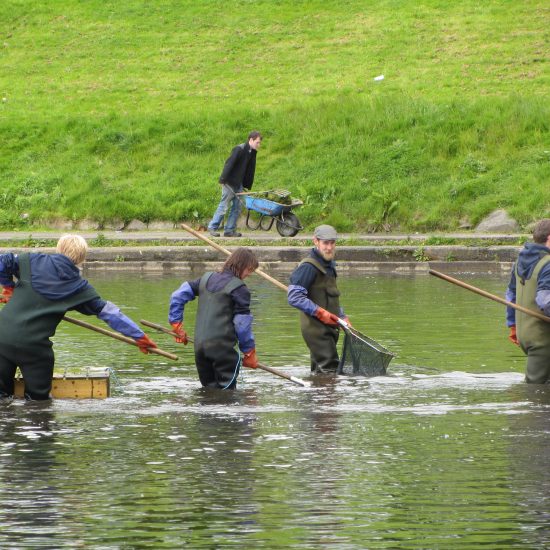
{"type": "Point", "coordinates": [362, 356]}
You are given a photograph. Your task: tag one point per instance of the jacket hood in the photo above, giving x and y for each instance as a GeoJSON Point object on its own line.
{"type": "Point", "coordinates": [55, 276]}
{"type": "Point", "coordinates": [529, 257]}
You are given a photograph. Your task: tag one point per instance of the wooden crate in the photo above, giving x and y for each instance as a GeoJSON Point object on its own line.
{"type": "Point", "coordinates": [89, 385]}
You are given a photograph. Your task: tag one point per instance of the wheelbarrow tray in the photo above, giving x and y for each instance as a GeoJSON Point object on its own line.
{"type": "Point", "coordinates": [267, 207]}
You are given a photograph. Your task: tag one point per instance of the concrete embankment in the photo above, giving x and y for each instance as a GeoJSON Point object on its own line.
{"type": "Point", "coordinates": [177, 251]}
{"type": "Point", "coordinates": [350, 258]}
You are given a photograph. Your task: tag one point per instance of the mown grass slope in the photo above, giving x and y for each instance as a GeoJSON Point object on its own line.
{"type": "Point", "coordinates": [128, 109]}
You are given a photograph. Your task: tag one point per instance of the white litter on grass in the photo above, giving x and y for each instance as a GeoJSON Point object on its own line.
{"type": "Point", "coordinates": [379, 77]}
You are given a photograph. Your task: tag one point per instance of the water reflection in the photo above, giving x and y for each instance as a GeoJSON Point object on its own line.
{"type": "Point", "coordinates": [31, 504]}
{"type": "Point", "coordinates": [448, 451]}
{"type": "Point", "coordinates": [529, 451]}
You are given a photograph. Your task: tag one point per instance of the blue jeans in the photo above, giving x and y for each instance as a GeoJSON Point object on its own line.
{"type": "Point", "coordinates": [229, 198]}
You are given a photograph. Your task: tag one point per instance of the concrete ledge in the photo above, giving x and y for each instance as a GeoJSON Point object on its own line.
{"type": "Point", "coordinates": [381, 268]}
{"type": "Point", "coordinates": [408, 259]}
{"type": "Point", "coordinates": [295, 254]}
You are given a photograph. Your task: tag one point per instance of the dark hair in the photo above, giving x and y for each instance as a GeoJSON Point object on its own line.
{"type": "Point", "coordinates": [541, 231]}
{"type": "Point", "coordinates": [241, 259]}
{"type": "Point", "coordinates": [255, 134]}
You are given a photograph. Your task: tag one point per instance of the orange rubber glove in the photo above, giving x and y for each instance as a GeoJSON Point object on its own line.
{"type": "Point", "coordinates": [512, 336]}
{"type": "Point", "coordinates": [250, 360]}
{"type": "Point", "coordinates": [144, 343]}
{"type": "Point", "coordinates": [181, 337]}
{"type": "Point", "coordinates": [6, 294]}
{"type": "Point", "coordinates": [326, 317]}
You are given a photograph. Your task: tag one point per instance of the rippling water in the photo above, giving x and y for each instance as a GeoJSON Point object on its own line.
{"type": "Point", "coordinates": [451, 450]}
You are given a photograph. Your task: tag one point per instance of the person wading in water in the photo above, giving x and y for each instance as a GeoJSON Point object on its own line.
{"type": "Point", "coordinates": [38, 290]}
{"type": "Point", "coordinates": [314, 292]}
{"type": "Point", "coordinates": [223, 320]}
{"type": "Point", "coordinates": [530, 287]}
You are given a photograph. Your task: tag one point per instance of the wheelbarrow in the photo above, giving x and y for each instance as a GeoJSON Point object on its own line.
{"type": "Point", "coordinates": [270, 211]}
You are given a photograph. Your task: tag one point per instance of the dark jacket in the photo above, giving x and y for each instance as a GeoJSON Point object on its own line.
{"type": "Point", "coordinates": [301, 280]}
{"type": "Point", "coordinates": [239, 168]}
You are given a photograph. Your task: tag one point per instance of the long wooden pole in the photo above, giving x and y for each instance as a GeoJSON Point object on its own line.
{"type": "Point", "coordinates": [160, 328]}
{"type": "Point", "coordinates": [276, 372]}
{"type": "Point", "coordinates": [117, 336]}
{"type": "Point", "coordinates": [489, 295]}
{"type": "Point", "coordinates": [228, 253]}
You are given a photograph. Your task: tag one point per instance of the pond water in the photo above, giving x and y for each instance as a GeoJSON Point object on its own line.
{"type": "Point", "coordinates": [450, 450]}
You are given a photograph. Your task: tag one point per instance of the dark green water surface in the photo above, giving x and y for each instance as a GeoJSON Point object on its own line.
{"type": "Point", "coordinates": [450, 450]}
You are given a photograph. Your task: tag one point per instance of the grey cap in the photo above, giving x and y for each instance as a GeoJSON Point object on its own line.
{"type": "Point", "coordinates": [325, 233]}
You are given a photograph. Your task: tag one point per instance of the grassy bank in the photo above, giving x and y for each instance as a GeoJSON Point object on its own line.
{"type": "Point", "coordinates": [128, 110]}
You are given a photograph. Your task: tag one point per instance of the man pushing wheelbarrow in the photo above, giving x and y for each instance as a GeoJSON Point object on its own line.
{"type": "Point", "coordinates": [268, 206]}
{"type": "Point", "coordinates": [237, 175]}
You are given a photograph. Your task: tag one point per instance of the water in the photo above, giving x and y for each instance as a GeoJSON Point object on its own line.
{"type": "Point", "coordinates": [449, 451]}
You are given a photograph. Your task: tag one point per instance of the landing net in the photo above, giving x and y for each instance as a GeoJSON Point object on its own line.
{"type": "Point", "coordinates": [362, 356]}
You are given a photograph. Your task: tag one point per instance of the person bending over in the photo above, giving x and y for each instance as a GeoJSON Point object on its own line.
{"type": "Point", "coordinates": [38, 290]}
{"type": "Point", "coordinates": [223, 320]}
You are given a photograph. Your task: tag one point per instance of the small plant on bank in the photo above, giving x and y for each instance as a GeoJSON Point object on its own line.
{"type": "Point", "coordinates": [31, 242]}
{"type": "Point", "coordinates": [100, 240]}
{"type": "Point", "coordinates": [420, 255]}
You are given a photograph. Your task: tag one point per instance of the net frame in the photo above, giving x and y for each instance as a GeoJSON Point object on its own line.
{"type": "Point", "coordinates": [362, 356]}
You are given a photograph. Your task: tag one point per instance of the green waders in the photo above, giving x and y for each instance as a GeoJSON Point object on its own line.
{"type": "Point", "coordinates": [27, 322]}
{"type": "Point", "coordinates": [321, 339]}
{"type": "Point", "coordinates": [533, 334]}
{"type": "Point", "coordinates": [215, 337]}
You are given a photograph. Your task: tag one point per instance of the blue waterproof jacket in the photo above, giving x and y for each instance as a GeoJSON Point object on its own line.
{"type": "Point", "coordinates": [526, 262]}
{"type": "Point", "coordinates": [242, 317]}
{"type": "Point", "coordinates": [56, 277]}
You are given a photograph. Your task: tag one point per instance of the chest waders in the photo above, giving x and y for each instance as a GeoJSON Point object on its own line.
{"type": "Point", "coordinates": [533, 334]}
{"type": "Point", "coordinates": [215, 337]}
{"type": "Point", "coordinates": [27, 322]}
{"type": "Point", "coordinates": [320, 338]}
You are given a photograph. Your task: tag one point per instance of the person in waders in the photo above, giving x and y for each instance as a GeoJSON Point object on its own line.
{"type": "Point", "coordinates": [38, 290]}
{"type": "Point", "coordinates": [223, 320]}
{"type": "Point", "coordinates": [314, 292]}
{"type": "Point", "coordinates": [530, 287]}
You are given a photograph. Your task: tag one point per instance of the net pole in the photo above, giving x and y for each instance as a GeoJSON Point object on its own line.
{"type": "Point", "coordinates": [486, 294]}
{"type": "Point", "coordinates": [220, 248]}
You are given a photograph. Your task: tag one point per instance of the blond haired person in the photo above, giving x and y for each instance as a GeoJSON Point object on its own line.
{"type": "Point", "coordinates": [38, 290]}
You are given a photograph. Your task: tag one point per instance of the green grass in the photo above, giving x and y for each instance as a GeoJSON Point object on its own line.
{"type": "Point", "coordinates": [128, 109]}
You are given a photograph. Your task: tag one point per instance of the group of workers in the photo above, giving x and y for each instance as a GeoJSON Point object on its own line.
{"type": "Point", "coordinates": [38, 289]}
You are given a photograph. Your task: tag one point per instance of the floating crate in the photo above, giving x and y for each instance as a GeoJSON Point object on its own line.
{"type": "Point", "coordinates": [94, 384]}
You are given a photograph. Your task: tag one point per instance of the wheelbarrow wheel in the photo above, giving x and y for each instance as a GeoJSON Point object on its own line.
{"type": "Point", "coordinates": [288, 225]}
